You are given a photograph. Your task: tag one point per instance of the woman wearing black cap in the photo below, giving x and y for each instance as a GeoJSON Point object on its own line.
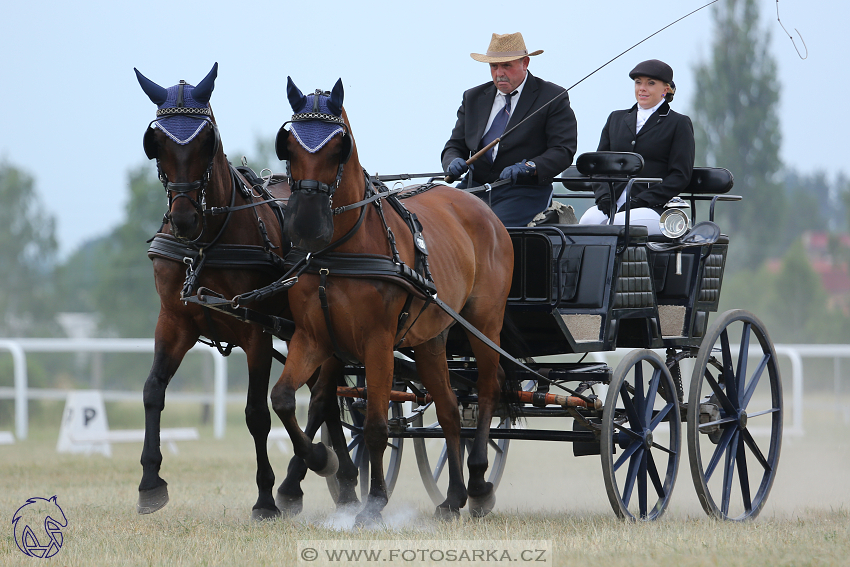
{"type": "Point", "coordinates": [663, 137]}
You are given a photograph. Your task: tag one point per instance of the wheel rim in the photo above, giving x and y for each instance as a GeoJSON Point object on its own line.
{"type": "Point", "coordinates": [352, 423]}
{"type": "Point", "coordinates": [735, 417]}
{"type": "Point", "coordinates": [431, 459]}
{"type": "Point", "coordinates": [645, 431]}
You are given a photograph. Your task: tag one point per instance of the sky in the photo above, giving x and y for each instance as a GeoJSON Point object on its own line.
{"type": "Point", "coordinates": [73, 114]}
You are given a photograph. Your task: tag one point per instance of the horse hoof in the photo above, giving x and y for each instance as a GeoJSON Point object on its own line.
{"type": "Point", "coordinates": [482, 505]}
{"type": "Point", "coordinates": [367, 519]}
{"type": "Point", "coordinates": [289, 505]}
{"type": "Point", "coordinates": [261, 514]}
{"type": "Point", "coordinates": [348, 506]}
{"type": "Point", "coordinates": [446, 513]}
{"type": "Point", "coordinates": [152, 500]}
{"type": "Point", "coordinates": [331, 465]}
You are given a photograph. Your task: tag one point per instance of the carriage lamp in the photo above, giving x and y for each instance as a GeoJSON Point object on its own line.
{"type": "Point", "coordinates": [675, 221]}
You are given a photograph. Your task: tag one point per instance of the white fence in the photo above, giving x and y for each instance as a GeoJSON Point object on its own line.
{"type": "Point", "coordinates": [21, 393]}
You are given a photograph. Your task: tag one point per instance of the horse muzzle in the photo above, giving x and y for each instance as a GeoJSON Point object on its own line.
{"type": "Point", "coordinates": [308, 222]}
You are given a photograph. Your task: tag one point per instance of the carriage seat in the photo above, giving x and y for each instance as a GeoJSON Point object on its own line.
{"type": "Point", "coordinates": [710, 181]}
{"type": "Point", "coordinates": [601, 164]}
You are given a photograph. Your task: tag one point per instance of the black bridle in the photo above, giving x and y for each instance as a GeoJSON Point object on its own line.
{"type": "Point", "coordinates": [173, 190]}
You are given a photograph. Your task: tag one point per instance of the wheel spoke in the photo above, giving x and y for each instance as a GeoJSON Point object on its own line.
{"type": "Point", "coordinates": [751, 387]}
{"type": "Point", "coordinates": [441, 462]}
{"type": "Point", "coordinates": [495, 446]}
{"type": "Point", "coordinates": [630, 450]}
{"type": "Point", "coordinates": [663, 448]}
{"type": "Point", "coordinates": [631, 411]}
{"type": "Point", "coordinates": [743, 359]}
{"type": "Point", "coordinates": [653, 474]}
{"type": "Point", "coordinates": [763, 412]}
{"type": "Point", "coordinates": [729, 473]}
{"type": "Point", "coordinates": [751, 443]}
{"type": "Point", "coordinates": [641, 480]}
{"type": "Point", "coordinates": [744, 477]}
{"type": "Point", "coordinates": [729, 374]}
{"type": "Point", "coordinates": [628, 431]}
{"type": "Point", "coordinates": [718, 451]}
{"type": "Point", "coordinates": [631, 476]}
{"type": "Point", "coordinates": [659, 417]}
{"type": "Point", "coordinates": [718, 422]}
{"type": "Point", "coordinates": [721, 395]}
{"type": "Point", "coordinates": [650, 395]}
{"type": "Point", "coordinates": [640, 400]}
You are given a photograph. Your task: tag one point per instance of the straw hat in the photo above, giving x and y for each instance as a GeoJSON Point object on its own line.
{"type": "Point", "coordinates": [506, 47]}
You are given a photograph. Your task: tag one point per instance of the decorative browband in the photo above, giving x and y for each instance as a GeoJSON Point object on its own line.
{"type": "Point", "coordinates": [183, 110]}
{"type": "Point", "coordinates": [304, 116]}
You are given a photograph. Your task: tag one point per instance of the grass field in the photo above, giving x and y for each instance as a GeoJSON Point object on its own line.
{"type": "Point", "coordinates": [546, 494]}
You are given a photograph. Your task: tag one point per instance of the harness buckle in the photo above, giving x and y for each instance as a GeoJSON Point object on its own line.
{"type": "Point", "coordinates": [324, 271]}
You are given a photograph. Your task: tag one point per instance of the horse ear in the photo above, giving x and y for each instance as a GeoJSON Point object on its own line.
{"type": "Point", "coordinates": [335, 102]}
{"type": "Point", "coordinates": [156, 93]}
{"type": "Point", "coordinates": [203, 91]}
{"type": "Point", "coordinates": [297, 100]}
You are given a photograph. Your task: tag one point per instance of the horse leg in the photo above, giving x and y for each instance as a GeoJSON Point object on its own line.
{"type": "Point", "coordinates": [379, 375]}
{"type": "Point", "coordinates": [482, 496]}
{"type": "Point", "coordinates": [433, 370]}
{"type": "Point", "coordinates": [259, 422]}
{"type": "Point", "coordinates": [170, 347]}
{"type": "Point", "coordinates": [328, 405]}
{"type": "Point", "coordinates": [290, 497]}
{"type": "Point", "coordinates": [303, 360]}
{"type": "Point", "coordinates": [323, 407]}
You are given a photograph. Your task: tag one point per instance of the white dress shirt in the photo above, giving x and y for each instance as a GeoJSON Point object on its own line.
{"type": "Point", "coordinates": [499, 103]}
{"type": "Point", "coordinates": [643, 114]}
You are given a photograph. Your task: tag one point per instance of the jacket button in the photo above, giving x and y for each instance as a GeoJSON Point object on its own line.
{"type": "Point", "coordinates": [633, 142]}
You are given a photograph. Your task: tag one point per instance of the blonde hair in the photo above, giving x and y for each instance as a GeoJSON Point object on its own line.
{"type": "Point", "coordinates": [672, 91]}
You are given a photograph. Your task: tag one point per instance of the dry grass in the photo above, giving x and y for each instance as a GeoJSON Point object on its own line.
{"type": "Point", "coordinates": [546, 494]}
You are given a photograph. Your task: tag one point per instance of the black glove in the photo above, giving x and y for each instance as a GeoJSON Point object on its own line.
{"type": "Point", "coordinates": [516, 170]}
{"type": "Point", "coordinates": [604, 205]}
{"type": "Point", "coordinates": [457, 168]}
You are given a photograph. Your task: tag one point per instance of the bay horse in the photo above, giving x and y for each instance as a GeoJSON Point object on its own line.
{"type": "Point", "coordinates": [238, 250]}
{"type": "Point", "coordinates": [362, 318]}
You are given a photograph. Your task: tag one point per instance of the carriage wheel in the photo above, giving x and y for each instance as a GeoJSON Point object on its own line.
{"type": "Point", "coordinates": [352, 424]}
{"type": "Point", "coordinates": [735, 417]}
{"type": "Point", "coordinates": [641, 437]}
{"type": "Point", "coordinates": [431, 457]}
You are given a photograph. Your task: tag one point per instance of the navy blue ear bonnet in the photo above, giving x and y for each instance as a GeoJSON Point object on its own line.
{"type": "Point", "coordinates": [181, 128]}
{"type": "Point", "coordinates": [314, 134]}
{"type": "Point", "coordinates": [317, 118]}
{"type": "Point", "coordinates": [182, 110]}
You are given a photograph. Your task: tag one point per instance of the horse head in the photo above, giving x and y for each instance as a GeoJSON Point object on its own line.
{"type": "Point", "coordinates": [184, 140]}
{"type": "Point", "coordinates": [315, 148]}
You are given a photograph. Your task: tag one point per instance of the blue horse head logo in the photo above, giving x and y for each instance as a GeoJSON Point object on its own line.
{"type": "Point", "coordinates": [38, 527]}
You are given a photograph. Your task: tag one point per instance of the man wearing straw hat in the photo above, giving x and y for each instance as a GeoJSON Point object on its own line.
{"type": "Point", "coordinates": [541, 146]}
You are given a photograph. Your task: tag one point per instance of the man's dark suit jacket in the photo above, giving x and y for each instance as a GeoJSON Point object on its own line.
{"type": "Point", "coordinates": [548, 138]}
{"type": "Point", "coordinates": [666, 143]}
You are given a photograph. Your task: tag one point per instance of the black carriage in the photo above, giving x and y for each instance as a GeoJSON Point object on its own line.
{"type": "Point", "coordinates": [580, 289]}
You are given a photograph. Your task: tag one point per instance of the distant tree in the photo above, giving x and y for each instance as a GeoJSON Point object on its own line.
{"type": "Point", "coordinates": [27, 256]}
{"type": "Point", "coordinates": [736, 125]}
{"type": "Point", "coordinates": [112, 275]}
{"type": "Point", "coordinates": [816, 206]}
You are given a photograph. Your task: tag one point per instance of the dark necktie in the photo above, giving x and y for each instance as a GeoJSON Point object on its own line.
{"type": "Point", "coordinates": [497, 128]}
